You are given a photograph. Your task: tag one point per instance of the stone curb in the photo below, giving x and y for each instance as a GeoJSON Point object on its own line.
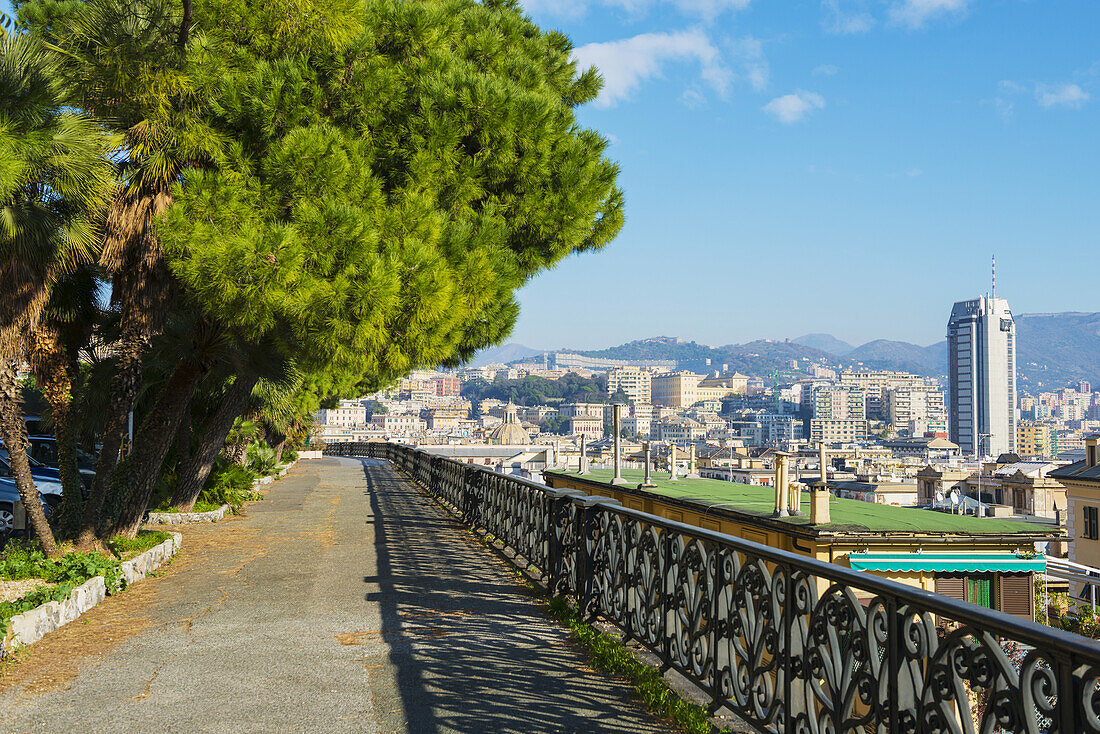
{"type": "Point", "coordinates": [270, 479]}
{"type": "Point", "coordinates": [34, 624]}
{"type": "Point", "coordinates": [185, 518]}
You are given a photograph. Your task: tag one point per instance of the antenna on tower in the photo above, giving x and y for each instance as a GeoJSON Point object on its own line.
{"type": "Point", "coordinates": [994, 276]}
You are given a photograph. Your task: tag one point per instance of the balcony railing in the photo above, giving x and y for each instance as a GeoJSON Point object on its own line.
{"type": "Point", "coordinates": [789, 643]}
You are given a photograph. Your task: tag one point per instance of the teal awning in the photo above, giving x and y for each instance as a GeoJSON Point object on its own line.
{"type": "Point", "coordinates": [948, 562]}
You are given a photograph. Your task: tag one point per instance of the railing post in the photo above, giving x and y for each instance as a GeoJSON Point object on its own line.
{"type": "Point", "coordinates": [587, 550]}
{"type": "Point", "coordinates": [471, 496]}
{"type": "Point", "coordinates": [559, 506]}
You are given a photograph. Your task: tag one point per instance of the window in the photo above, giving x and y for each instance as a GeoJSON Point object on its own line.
{"type": "Point", "coordinates": [1092, 528]}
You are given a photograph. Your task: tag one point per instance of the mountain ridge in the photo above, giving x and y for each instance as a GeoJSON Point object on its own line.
{"type": "Point", "coordinates": [1053, 350]}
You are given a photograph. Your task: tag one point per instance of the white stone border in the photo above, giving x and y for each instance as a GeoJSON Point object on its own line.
{"type": "Point", "coordinates": [270, 479]}
{"type": "Point", "coordinates": [34, 624]}
{"type": "Point", "coordinates": [185, 518]}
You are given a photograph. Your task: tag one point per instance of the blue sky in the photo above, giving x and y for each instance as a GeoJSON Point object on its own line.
{"type": "Point", "coordinates": [846, 166]}
{"type": "Point", "coordinates": [837, 165]}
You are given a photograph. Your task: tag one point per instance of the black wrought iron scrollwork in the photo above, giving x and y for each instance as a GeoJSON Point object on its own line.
{"type": "Point", "coordinates": [788, 643]}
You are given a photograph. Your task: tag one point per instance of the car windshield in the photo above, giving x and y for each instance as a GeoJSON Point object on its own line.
{"type": "Point", "coordinates": [35, 463]}
{"type": "Point", "coordinates": [44, 451]}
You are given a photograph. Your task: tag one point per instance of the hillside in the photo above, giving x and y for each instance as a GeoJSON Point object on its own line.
{"type": "Point", "coordinates": [505, 353]}
{"type": "Point", "coordinates": [826, 343]}
{"type": "Point", "coordinates": [1054, 350]}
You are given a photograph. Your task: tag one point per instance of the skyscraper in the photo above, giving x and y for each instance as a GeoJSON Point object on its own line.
{"type": "Point", "coordinates": [981, 345]}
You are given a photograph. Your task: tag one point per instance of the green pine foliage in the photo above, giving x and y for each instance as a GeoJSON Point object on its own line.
{"type": "Point", "coordinates": [386, 195]}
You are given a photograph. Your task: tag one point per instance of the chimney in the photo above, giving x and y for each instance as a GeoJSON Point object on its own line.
{"type": "Point", "coordinates": [781, 489]}
{"type": "Point", "coordinates": [672, 463]}
{"type": "Point", "coordinates": [819, 492]}
{"type": "Point", "coordinates": [692, 473]}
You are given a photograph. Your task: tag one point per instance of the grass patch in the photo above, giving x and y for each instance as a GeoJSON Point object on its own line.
{"type": "Point", "coordinates": [130, 547]}
{"type": "Point", "coordinates": [23, 559]}
{"type": "Point", "coordinates": [610, 655]}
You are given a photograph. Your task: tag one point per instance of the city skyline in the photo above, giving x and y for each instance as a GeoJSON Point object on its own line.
{"type": "Point", "coordinates": [880, 151]}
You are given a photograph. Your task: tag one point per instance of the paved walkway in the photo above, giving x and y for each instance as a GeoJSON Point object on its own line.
{"type": "Point", "coordinates": [345, 602]}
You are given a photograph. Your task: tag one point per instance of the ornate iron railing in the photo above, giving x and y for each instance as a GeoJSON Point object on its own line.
{"type": "Point", "coordinates": [789, 643]}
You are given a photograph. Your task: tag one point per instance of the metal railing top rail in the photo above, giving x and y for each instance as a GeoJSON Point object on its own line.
{"type": "Point", "coordinates": [981, 617]}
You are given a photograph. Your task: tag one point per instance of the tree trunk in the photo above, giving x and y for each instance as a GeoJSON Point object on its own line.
{"type": "Point", "coordinates": [237, 453]}
{"type": "Point", "coordinates": [124, 388]}
{"type": "Point", "coordinates": [182, 445]}
{"type": "Point", "coordinates": [193, 478]}
{"type": "Point", "coordinates": [53, 370]}
{"type": "Point", "coordinates": [14, 431]}
{"type": "Point", "coordinates": [142, 287]}
{"type": "Point", "coordinates": [280, 441]}
{"type": "Point", "coordinates": [141, 469]}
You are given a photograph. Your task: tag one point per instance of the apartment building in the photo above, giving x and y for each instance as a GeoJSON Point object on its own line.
{"type": "Point", "coordinates": [583, 410]}
{"type": "Point", "coordinates": [874, 384]}
{"type": "Point", "coordinates": [909, 406]}
{"type": "Point", "coordinates": [400, 424]}
{"type": "Point", "coordinates": [1035, 440]}
{"type": "Point", "coordinates": [675, 389]}
{"type": "Point", "coordinates": [680, 431]}
{"type": "Point", "coordinates": [838, 430]}
{"type": "Point", "coordinates": [635, 382]}
{"type": "Point", "coordinates": [719, 386]}
{"type": "Point", "coordinates": [347, 415]}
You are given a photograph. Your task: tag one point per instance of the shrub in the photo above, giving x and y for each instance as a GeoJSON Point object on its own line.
{"type": "Point", "coordinates": [229, 484]}
{"type": "Point", "coordinates": [289, 455]}
{"type": "Point", "coordinates": [261, 458]}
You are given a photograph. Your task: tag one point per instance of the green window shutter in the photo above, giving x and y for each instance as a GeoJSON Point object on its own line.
{"type": "Point", "coordinates": [979, 590]}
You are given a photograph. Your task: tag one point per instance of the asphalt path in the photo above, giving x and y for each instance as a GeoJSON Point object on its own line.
{"type": "Point", "coordinates": [344, 602]}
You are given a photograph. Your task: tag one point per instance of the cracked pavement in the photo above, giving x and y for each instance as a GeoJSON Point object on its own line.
{"type": "Point", "coordinates": [345, 602]}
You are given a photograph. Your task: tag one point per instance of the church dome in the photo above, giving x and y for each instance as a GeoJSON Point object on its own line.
{"type": "Point", "coordinates": [510, 432]}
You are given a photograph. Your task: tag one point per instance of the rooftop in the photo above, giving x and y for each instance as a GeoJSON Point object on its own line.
{"type": "Point", "coordinates": [848, 516]}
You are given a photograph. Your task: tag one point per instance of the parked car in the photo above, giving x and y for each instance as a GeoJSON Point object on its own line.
{"type": "Point", "coordinates": [44, 450]}
{"type": "Point", "coordinates": [46, 479]}
{"type": "Point", "coordinates": [9, 495]}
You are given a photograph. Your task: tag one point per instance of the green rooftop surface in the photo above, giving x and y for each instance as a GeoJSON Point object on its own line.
{"type": "Point", "coordinates": [846, 515]}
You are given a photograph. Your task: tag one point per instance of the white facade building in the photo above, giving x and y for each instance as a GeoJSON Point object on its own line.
{"type": "Point", "coordinates": [981, 343]}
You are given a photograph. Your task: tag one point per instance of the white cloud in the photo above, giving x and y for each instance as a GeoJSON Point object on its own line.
{"type": "Point", "coordinates": [915, 13]}
{"type": "Point", "coordinates": [846, 20]}
{"type": "Point", "coordinates": [707, 9]}
{"type": "Point", "coordinates": [752, 65]}
{"type": "Point", "coordinates": [825, 70]}
{"type": "Point", "coordinates": [791, 108]}
{"type": "Point", "coordinates": [626, 63]}
{"type": "Point", "coordinates": [1060, 95]}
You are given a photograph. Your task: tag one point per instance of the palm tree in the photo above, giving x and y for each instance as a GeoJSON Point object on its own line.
{"type": "Point", "coordinates": [53, 351]}
{"type": "Point", "coordinates": [54, 180]}
{"type": "Point", "coordinates": [128, 62]}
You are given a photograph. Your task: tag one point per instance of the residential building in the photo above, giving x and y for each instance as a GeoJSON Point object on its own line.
{"type": "Point", "coordinates": [838, 430]}
{"type": "Point", "coordinates": [679, 430]}
{"type": "Point", "coordinates": [874, 383]}
{"type": "Point", "coordinates": [719, 386]}
{"type": "Point", "coordinates": [1035, 439]}
{"type": "Point", "coordinates": [1082, 482]}
{"type": "Point", "coordinates": [675, 389]}
{"type": "Point", "coordinates": [934, 483]}
{"type": "Point", "coordinates": [346, 415]}
{"type": "Point", "coordinates": [583, 410]}
{"type": "Point", "coordinates": [591, 427]}
{"type": "Point", "coordinates": [781, 430]}
{"type": "Point", "coordinates": [446, 386]}
{"type": "Point", "coordinates": [635, 382]}
{"type": "Point", "coordinates": [399, 424]}
{"type": "Point", "coordinates": [839, 402]}
{"type": "Point", "coordinates": [909, 406]}
{"type": "Point", "coordinates": [924, 449]}
{"type": "Point", "coordinates": [981, 343]}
